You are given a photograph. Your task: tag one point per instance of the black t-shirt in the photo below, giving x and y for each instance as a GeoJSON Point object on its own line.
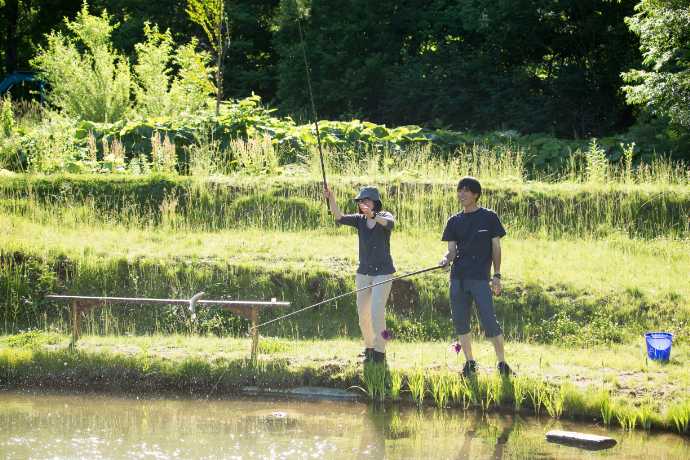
{"type": "Point", "coordinates": [473, 232]}
{"type": "Point", "coordinates": [374, 244]}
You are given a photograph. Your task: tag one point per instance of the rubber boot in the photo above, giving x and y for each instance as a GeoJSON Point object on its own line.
{"type": "Point", "coordinates": [368, 355]}
{"type": "Point", "coordinates": [379, 357]}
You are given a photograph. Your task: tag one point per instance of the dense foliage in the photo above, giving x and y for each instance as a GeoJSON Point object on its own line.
{"type": "Point", "coordinates": [664, 85]}
{"type": "Point", "coordinates": [531, 65]}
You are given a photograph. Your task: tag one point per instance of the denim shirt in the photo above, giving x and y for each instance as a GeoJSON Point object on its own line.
{"type": "Point", "coordinates": [374, 244]}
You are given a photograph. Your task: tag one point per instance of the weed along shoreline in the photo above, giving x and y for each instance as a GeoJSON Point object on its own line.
{"type": "Point", "coordinates": [419, 374]}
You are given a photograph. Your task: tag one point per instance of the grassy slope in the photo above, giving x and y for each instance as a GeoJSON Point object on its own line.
{"type": "Point", "coordinates": [655, 267]}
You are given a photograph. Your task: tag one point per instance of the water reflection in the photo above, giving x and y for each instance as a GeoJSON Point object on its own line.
{"type": "Point", "coordinates": [55, 426]}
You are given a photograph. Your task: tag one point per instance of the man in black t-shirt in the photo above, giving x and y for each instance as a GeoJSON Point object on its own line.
{"type": "Point", "coordinates": [474, 243]}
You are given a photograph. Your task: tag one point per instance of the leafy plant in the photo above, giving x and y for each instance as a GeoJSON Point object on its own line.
{"type": "Point", "coordinates": [596, 163]}
{"type": "Point", "coordinates": [89, 80]}
{"type": "Point", "coordinates": [6, 117]}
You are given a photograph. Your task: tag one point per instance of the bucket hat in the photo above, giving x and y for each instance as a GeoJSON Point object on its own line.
{"type": "Point", "coordinates": [368, 192]}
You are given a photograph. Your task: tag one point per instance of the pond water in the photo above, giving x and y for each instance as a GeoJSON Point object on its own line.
{"type": "Point", "coordinates": [55, 426]}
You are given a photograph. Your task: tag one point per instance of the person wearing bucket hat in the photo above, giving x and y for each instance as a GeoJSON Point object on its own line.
{"type": "Point", "coordinates": [374, 226]}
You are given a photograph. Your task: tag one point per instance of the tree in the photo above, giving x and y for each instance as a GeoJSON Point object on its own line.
{"type": "Point", "coordinates": [531, 65]}
{"type": "Point", "coordinates": [210, 15]}
{"type": "Point", "coordinates": [663, 86]}
{"type": "Point", "coordinates": [88, 79]}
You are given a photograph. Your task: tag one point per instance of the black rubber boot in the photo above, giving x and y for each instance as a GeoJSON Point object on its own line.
{"type": "Point", "coordinates": [368, 355]}
{"type": "Point", "coordinates": [504, 369]}
{"type": "Point", "coordinates": [469, 369]}
{"type": "Point", "coordinates": [379, 357]}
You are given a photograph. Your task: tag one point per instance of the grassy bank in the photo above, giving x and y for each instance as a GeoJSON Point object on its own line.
{"type": "Point", "coordinates": [611, 385]}
{"type": "Point", "coordinates": [574, 291]}
{"type": "Point", "coordinates": [294, 202]}
{"type": "Point", "coordinates": [573, 272]}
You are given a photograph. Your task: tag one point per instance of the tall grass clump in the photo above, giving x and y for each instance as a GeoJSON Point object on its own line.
{"type": "Point", "coordinates": [420, 161]}
{"type": "Point", "coordinates": [460, 392]}
{"type": "Point", "coordinates": [627, 416]}
{"type": "Point", "coordinates": [596, 163]}
{"type": "Point", "coordinates": [489, 391]}
{"type": "Point", "coordinates": [606, 408]}
{"type": "Point", "coordinates": [416, 383]}
{"type": "Point", "coordinates": [554, 401]}
{"type": "Point", "coordinates": [374, 377]}
{"type": "Point", "coordinates": [519, 392]}
{"type": "Point", "coordinates": [678, 416]}
{"type": "Point", "coordinates": [538, 392]}
{"type": "Point", "coordinates": [396, 384]}
{"type": "Point", "coordinates": [440, 389]}
{"type": "Point", "coordinates": [6, 116]}
{"type": "Point", "coordinates": [645, 414]}
{"type": "Point", "coordinates": [255, 156]}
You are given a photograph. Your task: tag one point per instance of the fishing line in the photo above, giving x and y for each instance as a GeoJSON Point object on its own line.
{"type": "Point", "coordinates": [435, 267]}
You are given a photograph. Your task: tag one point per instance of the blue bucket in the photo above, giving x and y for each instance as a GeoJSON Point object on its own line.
{"type": "Point", "coordinates": [659, 345]}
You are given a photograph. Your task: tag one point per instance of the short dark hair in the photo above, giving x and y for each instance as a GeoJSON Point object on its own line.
{"type": "Point", "coordinates": [472, 184]}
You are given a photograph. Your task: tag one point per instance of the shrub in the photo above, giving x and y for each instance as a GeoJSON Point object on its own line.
{"type": "Point", "coordinates": [88, 79]}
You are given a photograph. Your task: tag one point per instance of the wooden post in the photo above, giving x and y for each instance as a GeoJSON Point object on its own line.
{"type": "Point", "coordinates": [75, 325]}
{"type": "Point", "coordinates": [254, 332]}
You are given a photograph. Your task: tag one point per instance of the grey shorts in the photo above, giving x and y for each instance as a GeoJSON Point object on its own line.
{"type": "Point", "coordinates": [462, 293]}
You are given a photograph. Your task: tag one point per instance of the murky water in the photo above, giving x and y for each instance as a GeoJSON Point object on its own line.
{"type": "Point", "coordinates": [42, 426]}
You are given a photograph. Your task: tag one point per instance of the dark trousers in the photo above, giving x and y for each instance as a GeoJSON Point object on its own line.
{"type": "Point", "coordinates": [462, 293]}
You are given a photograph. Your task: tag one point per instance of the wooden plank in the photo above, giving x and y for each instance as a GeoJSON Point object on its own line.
{"type": "Point", "coordinates": [248, 309]}
{"type": "Point", "coordinates": [582, 440]}
{"type": "Point", "coordinates": [220, 303]}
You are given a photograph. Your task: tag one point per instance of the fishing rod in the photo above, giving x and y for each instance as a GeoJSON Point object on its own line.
{"type": "Point", "coordinates": [424, 270]}
{"type": "Point", "coordinates": [311, 93]}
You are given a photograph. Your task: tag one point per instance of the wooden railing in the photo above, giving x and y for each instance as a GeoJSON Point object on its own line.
{"type": "Point", "coordinates": [248, 309]}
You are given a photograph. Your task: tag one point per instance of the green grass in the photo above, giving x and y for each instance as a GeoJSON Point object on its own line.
{"type": "Point", "coordinates": [206, 365]}
{"type": "Point", "coordinates": [295, 203]}
{"type": "Point", "coordinates": [598, 266]}
{"type": "Point", "coordinates": [574, 290]}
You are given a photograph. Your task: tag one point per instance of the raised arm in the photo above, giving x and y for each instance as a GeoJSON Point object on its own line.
{"type": "Point", "coordinates": [386, 220]}
{"type": "Point", "coordinates": [335, 210]}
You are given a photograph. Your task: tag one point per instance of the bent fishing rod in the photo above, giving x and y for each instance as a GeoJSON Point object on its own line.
{"type": "Point", "coordinates": [424, 270]}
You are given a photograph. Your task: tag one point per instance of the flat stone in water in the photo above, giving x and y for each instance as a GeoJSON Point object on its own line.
{"type": "Point", "coordinates": [582, 440]}
{"type": "Point", "coordinates": [304, 392]}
